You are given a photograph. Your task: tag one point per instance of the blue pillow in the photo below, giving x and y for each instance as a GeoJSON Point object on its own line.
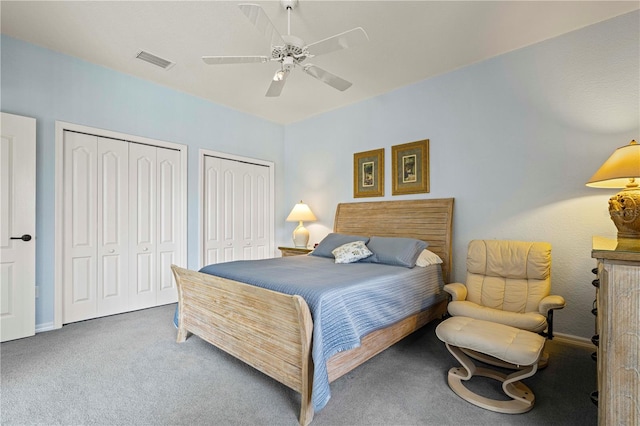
{"type": "Point", "coordinates": [395, 251]}
{"type": "Point", "coordinates": [333, 241]}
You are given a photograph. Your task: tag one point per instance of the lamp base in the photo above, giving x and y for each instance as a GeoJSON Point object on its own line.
{"type": "Point", "coordinates": [300, 236]}
{"type": "Point", "coordinates": [624, 208]}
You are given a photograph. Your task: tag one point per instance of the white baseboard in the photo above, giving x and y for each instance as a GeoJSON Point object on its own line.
{"type": "Point", "coordinates": [569, 339]}
{"type": "Point", "coordinates": [47, 326]}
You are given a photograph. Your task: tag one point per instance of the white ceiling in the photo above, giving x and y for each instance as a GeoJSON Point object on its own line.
{"type": "Point", "coordinates": [409, 41]}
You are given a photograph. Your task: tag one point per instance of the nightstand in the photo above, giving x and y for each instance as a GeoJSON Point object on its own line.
{"type": "Point", "coordinates": [294, 251]}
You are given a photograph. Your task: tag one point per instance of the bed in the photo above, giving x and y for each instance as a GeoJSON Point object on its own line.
{"type": "Point", "coordinates": [272, 331]}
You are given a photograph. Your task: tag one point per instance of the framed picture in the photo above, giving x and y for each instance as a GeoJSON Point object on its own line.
{"type": "Point", "coordinates": [368, 173]}
{"type": "Point", "coordinates": [410, 168]}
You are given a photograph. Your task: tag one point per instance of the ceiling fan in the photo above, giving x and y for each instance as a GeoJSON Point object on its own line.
{"type": "Point", "coordinates": [290, 51]}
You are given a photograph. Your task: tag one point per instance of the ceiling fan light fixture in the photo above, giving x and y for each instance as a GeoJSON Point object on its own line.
{"type": "Point", "coordinates": [279, 75]}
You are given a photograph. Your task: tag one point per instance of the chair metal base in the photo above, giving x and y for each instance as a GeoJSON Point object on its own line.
{"type": "Point", "coordinates": [522, 398]}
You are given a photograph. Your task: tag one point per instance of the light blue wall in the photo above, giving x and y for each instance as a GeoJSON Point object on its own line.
{"type": "Point", "coordinates": [513, 139]}
{"type": "Point", "coordinates": [49, 86]}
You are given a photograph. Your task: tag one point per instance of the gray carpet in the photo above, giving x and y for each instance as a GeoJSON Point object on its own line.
{"type": "Point", "coordinates": [127, 370]}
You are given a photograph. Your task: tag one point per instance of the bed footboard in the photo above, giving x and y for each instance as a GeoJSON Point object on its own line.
{"type": "Point", "coordinates": [268, 330]}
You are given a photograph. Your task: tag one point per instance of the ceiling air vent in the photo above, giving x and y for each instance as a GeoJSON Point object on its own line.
{"type": "Point", "coordinates": [155, 60]}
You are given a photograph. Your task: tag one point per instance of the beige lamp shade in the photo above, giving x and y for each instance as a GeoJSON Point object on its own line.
{"type": "Point", "coordinates": [622, 170]}
{"type": "Point", "coordinates": [619, 169]}
{"type": "Point", "coordinates": [301, 212]}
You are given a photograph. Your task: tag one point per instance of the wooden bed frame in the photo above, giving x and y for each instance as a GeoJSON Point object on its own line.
{"type": "Point", "coordinates": [272, 331]}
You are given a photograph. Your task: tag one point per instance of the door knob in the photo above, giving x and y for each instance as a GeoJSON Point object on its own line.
{"type": "Point", "coordinates": [25, 237]}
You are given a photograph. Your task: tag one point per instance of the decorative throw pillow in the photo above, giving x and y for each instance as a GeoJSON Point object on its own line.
{"type": "Point", "coordinates": [427, 258]}
{"type": "Point", "coordinates": [351, 252]}
{"type": "Point", "coordinates": [395, 251]}
{"type": "Point", "coordinates": [333, 241]}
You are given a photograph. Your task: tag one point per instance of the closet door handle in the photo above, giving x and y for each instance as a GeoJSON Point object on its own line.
{"type": "Point", "coordinates": [25, 237]}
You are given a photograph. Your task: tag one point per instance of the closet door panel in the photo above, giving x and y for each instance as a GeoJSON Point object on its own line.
{"type": "Point", "coordinates": [254, 208]}
{"type": "Point", "coordinates": [236, 210]}
{"type": "Point", "coordinates": [80, 246]}
{"type": "Point", "coordinates": [247, 197]}
{"type": "Point", "coordinates": [142, 225]}
{"type": "Point", "coordinates": [143, 285]}
{"type": "Point", "coordinates": [211, 220]}
{"type": "Point", "coordinates": [113, 220]}
{"type": "Point", "coordinates": [169, 237]}
{"type": "Point", "coordinates": [228, 209]}
{"type": "Point", "coordinates": [220, 210]}
{"type": "Point", "coordinates": [261, 207]}
{"type": "Point", "coordinates": [122, 224]}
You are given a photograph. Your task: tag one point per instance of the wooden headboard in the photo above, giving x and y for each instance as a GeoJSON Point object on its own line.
{"type": "Point", "coordinates": [430, 220]}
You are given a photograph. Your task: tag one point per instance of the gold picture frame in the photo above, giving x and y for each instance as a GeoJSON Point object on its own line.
{"type": "Point", "coordinates": [410, 164]}
{"type": "Point", "coordinates": [368, 173]}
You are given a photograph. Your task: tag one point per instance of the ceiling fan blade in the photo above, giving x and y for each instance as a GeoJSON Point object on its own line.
{"type": "Point", "coordinates": [326, 77]}
{"type": "Point", "coordinates": [255, 14]}
{"type": "Point", "coordinates": [276, 86]}
{"type": "Point", "coordinates": [221, 60]}
{"type": "Point", "coordinates": [339, 41]}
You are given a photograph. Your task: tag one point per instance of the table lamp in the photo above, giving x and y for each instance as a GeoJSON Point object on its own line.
{"type": "Point", "coordinates": [622, 170]}
{"type": "Point", "coordinates": [299, 213]}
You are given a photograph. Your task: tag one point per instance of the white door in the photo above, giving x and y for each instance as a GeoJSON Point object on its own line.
{"type": "Point", "coordinates": [122, 213]}
{"type": "Point", "coordinates": [80, 224]}
{"type": "Point", "coordinates": [17, 227]}
{"type": "Point", "coordinates": [154, 199]}
{"type": "Point", "coordinates": [96, 220]}
{"type": "Point", "coordinates": [112, 227]}
{"type": "Point", "coordinates": [169, 237]}
{"type": "Point", "coordinates": [142, 225]}
{"type": "Point", "coordinates": [236, 210]}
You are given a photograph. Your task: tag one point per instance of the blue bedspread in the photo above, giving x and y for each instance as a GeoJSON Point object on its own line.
{"type": "Point", "coordinates": [347, 301]}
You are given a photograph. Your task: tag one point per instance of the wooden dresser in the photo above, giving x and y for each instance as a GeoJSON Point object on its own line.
{"type": "Point", "coordinates": [618, 327]}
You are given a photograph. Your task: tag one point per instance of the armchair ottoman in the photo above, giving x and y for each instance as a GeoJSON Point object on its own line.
{"type": "Point", "coordinates": [514, 346]}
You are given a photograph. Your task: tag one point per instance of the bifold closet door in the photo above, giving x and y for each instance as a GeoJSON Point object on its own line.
{"type": "Point", "coordinates": [236, 210]}
{"type": "Point", "coordinates": [153, 225]}
{"type": "Point", "coordinates": [96, 226]}
{"type": "Point", "coordinates": [121, 221]}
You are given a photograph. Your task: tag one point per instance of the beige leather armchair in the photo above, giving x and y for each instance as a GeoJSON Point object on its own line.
{"type": "Point", "coordinates": [508, 282]}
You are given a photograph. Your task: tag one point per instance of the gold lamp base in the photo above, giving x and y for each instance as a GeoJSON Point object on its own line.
{"type": "Point", "coordinates": [624, 208]}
